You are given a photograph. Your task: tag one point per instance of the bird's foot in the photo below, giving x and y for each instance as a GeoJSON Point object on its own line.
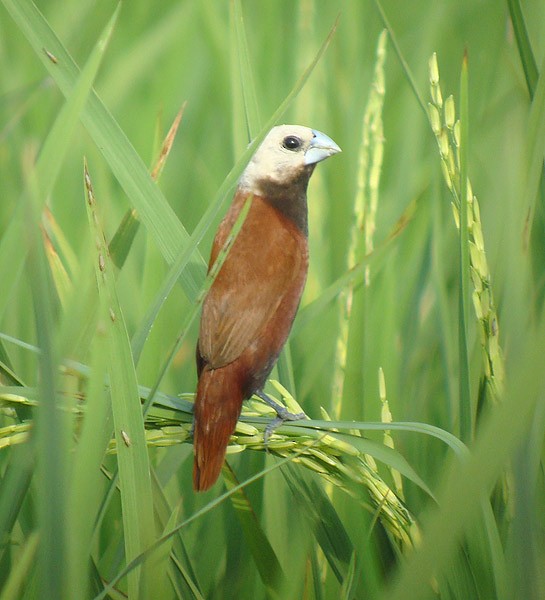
{"type": "Point", "coordinates": [283, 415]}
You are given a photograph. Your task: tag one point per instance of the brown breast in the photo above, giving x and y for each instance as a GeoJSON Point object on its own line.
{"type": "Point", "coordinates": [251, 305]}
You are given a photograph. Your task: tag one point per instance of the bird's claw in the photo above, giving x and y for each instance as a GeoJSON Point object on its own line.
{"type": "Point", "coordinates": [283, 414]}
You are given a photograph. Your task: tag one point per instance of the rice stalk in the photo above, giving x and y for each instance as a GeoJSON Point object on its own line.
{"type": "Point", "coordinates": [446, 128]}
{"type": "Point", "coordinates": [337, 461]}
{"type": "Point", "coordinates": [365, 209]}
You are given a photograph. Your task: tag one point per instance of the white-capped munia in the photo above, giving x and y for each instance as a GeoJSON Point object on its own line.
{"type": "Point", "coordinates": [249, 310]}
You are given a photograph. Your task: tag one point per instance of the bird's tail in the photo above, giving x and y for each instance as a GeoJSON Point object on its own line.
{"type": "Point", "coordinates": [217, 407]}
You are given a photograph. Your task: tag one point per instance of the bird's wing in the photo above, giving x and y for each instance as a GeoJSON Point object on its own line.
{"type": "Point", "coordinates": [263, 265]}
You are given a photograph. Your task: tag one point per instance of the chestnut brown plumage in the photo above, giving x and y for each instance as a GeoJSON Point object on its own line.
{"type": "Point", "coordinates": [249, 310]}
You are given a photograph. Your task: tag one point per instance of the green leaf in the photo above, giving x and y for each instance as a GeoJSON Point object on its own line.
{"type": "Point", "coordinates": [390, 457]}
{"type": "Point", "coordinates": [263, 553]}
{"type": "Point", "coordinates": [242, 78]}
{"type": "Point", "coordinates": [401, 57]}
{"type": "Point", "coordinates": [22, 570]}
{"type": "Point", "coordinates": [52, 423]}
{"type": "Point", "coordinates": [15, 483]}
{"type": "Point", "coordinates": [132, 456]}
{"type": "Point", "coordinates": [535, 147]}
{"type": "Point", "coordinates": [466, 484]}
{"type": "Point", "coordinates": [124, 237]}
{"type": "Point", "coordinates": [144, 195]}
{"type": "Point", "coordinates": [94, 436]}
{"type": "Point", "coordinates": [523, 43]}
{"type": "Point", "coordinates": [324, 521]}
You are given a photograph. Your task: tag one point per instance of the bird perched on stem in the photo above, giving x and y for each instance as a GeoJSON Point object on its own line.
{"type": "Point", "coordinates": [249, 310]}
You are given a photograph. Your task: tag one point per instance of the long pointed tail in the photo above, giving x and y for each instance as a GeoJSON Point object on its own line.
{"type": "Point", "coordinates": [217, 407]}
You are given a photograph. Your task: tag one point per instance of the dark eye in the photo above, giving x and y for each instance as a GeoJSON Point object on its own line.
{"type": "Point", "coordinates": [291, 142]}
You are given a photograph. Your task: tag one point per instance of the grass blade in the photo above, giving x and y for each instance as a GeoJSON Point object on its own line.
{"type": "Point", "coordinates": [51, 159]}
{"type": "Point", "coordinates": [324, 521]}
{"type": "Point", "coordinates": [134, 473]}
{"type": "Point", "coordinates": [242, 78]}
{"type": "Point", "coordinates": [535, 152]}
{"type": "Point", "coordinates": [58, 140]}
{"type": "Point", "coordinates": [21, 573]}
{"type": "Point", "coordinates": [86, 489]}
{"type": "Point", "coordinates": [144, 195]}
{"type": "Point", "coordinates": [472, 478]}
{"type": "Point", "coordinates": [52, 423]}
{"type": "Point", "coordinates": [523, 43]}
{"type": "Point", "coordinates": [123, 238]}
{"type": "Point", "coordinates": [15, 483]}
{"type": "Point", "coordinates": [536, 217]}
{"type": "Point", "coordinates": [263, 553]}
{"type": "Point", "coordinates": [401, 57]}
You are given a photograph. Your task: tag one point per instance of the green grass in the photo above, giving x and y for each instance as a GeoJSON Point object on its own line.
{"type": "Point", "coordinates": [425, 292]}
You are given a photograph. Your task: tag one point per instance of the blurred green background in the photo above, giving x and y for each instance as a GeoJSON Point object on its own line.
{"type": "Point", "coordinates": [233, 64]}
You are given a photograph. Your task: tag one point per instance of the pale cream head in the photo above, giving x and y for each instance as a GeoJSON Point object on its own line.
{"type": "Point", "coordinates": [283, 154]}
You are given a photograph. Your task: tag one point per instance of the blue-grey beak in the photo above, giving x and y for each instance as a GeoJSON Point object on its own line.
{"type": "Point", "coordinates": [321, 147]}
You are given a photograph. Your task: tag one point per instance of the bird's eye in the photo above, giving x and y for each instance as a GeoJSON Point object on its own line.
{"type": "Point", "coordinates": [291, 142]}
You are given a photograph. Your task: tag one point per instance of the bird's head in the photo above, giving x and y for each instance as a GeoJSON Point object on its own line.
{"type": "Point", "coordinates": [287, 155]}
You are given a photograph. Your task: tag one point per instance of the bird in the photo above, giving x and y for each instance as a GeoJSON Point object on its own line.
{"type": "Point", "coordinates": [248, 311]}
